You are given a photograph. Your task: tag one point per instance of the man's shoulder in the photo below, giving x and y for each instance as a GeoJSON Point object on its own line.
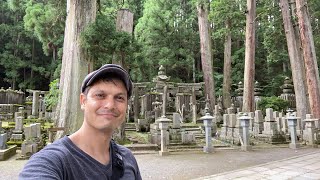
{"type": "Point", "coordinates": [124, 150]}
{"type": "Point", "coordinates": [48, 162]}
{"type": "Point", "coordinates": [126, 153]}
{"type": "Point", "coordinates": [57, 148]}
{"type": "Point", "coordinates": [130, 164]}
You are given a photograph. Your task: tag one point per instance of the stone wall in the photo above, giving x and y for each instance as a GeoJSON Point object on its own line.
{"type": "Point", "coordinates": [9, 96]}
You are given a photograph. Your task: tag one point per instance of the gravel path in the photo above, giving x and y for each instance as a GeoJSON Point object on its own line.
{"type": "Point", "coordinates": [186, 165]}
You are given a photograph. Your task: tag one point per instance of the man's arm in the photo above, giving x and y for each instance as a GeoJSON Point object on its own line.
{"type": "Point", "coordinates": [42, 165]}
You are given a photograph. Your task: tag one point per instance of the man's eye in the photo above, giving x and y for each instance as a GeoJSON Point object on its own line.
{"type": "Point", "coordinates": [121, 98]}
{"type": "Point", "coordinates": [100, 95]}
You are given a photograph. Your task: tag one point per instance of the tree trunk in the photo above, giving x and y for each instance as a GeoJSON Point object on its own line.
{"type": "Point", "coordinates": [75, 64]}
{"type": "Point", "coordinates": [309, 54]}
{"type": "Point", "coordinates": [249, 69]}
{"type": "Point", "coordinates": [295, 61]}
{"type": "Point", "coordinates": [300, 51]}
{"type": "Point", "coordinates": [124, 23]}
{"type": "Point", "coordinates": [32, 61]}
{"type": "Point", "coordinates": [206, 55]}
{"type": "Point", "coordinates": [227, 68]}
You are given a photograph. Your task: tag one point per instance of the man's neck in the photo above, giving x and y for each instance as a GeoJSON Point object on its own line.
{"type": "Point", "coordinates": [96, 144]}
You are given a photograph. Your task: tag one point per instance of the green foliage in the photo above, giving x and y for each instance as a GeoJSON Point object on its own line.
{"type": "Point", "coordinates": [273, 88]}
{"type": "Point", "coordinates": [276, 103]}
{"type": "Point", "coordinates": [47, 21]}
{"type": "Point", "coordinates": [218, 80]}
{"type": "Point", "coordinates": [22, 64]}
{"type": "Point", "coordinates": [165, 32]}
{"type": "Point", "coordinates": [52, 98]}
{"type": "Point", "coordinates": [223, 10]}
{"type": "Point", "coordinates": [101, 40]}
{"type": "Point", "coordinates": [168, 35]}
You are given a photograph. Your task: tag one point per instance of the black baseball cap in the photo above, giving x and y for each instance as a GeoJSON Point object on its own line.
{"type": "Point", "coordinates": [106, 70]}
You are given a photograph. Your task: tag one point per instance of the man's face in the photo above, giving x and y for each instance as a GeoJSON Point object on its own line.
{"type": "Point", "coordinates": [105, 105]}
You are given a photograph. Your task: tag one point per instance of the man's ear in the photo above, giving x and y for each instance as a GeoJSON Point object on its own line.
{"type": "Point", "coordinates": [83, 99]}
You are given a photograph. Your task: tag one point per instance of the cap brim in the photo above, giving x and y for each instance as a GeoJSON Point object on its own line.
{"type": "Point", "coordinates": [104, 71]}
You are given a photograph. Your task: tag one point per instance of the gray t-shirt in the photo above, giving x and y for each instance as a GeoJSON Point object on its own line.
{"type": "Point", "coordinates": [64, 160]}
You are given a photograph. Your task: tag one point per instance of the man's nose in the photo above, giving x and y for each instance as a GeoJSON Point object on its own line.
{"type": "Point", "coordinates": [109, 103]}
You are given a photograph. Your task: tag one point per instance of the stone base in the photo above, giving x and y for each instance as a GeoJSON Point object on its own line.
{"type": "Point", "coordinates": [7, 153]}
{"type": "Point", "coordinates": [312, 145]}
{"type": "Point", "coordinates": [164, 153]}
{"type": "Point", "coordinates": [294, 146]}
{"type": "Point", "coordinates": [17, 132]}
{"type": "Point", "coordinates": [270, 128]}
{"type": "Point", "coordinates": [275, 139]}
{"type": "Point", "coordinates": [188, 138]}
{"type": "Point", "coordinates": [246, 148]}
{"type": "Point", "coordinates": [17, 137]}
{"type": "Point", "coordinates": [156, 138]}
{"type": "Point", "coordinates": [32, 117]}
{"type": "Point", "coordinates": [207, 149]}
{"type": "Point", "coordinates": [224, 130]}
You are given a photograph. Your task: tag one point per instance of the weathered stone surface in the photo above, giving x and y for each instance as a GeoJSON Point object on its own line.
{"type": "Point", "coordinates": [7, 153]}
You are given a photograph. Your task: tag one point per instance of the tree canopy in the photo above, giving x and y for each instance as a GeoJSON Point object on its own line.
{"type": "Point", "coordinates": [165, 32]}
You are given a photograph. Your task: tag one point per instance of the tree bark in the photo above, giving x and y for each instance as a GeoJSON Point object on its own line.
{"type": "Point", "coordinates": [227, 67]}
{"type": "Point", "coordinates": [292, 5]}
{"type": "Point", "coordinates": [310, 60]}
{"type": "Point", "coordinates": [124, 23]}
{"type": "Point", "coordinates": [75, 64]}
{"type": "Point", "coordinates": [249, 69]}
{"type": "Point", "coordinates": [295, 61]}
{"type": "Point", "coordinates": [206, 55]}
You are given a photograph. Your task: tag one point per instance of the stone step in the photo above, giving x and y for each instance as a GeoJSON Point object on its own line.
{"type": "Point", "coordinates": [178, 145]}
{"type": "Point", "coordinates": [142, 147]}
{"type": "Point", "coordinates": [192, 129]}
{"type": "Point", "coordinates": [130, 125]}
{"type": "Point", "coordinates": [199, 136]}
{"type": "Point", "coordinates": [183, 147]}
{"type": "Point", "coordinates": [130, 129]}
{"type": "Point", "coordinates": [189, 126]}
{"type": "Point", "coordinates": [145, 152]}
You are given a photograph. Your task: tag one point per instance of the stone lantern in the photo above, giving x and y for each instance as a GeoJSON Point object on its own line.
{"type": "Point", "coordinates": [245, 122]}
{"type": "Point", "coordinates": [207, 122]}
{"type": "Point", "coordinates": [292, 123]}
{"type": "Point", "coordinates": [163, 126]}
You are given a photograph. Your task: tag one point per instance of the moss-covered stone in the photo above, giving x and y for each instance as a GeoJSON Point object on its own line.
{"type": "Point", "coordinates": [7, 153]}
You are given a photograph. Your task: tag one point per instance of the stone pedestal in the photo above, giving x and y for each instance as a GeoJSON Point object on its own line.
{"type": "Point", "coordinates": [163, 126]}
{"type": "Point", "coordinates": [245, 123]}
{"type": "Point", "coordinates": [258, 123]}
{"type": "Point", "coordinates": [270, 125]}
{"type": "Point", "coordinates": [207, 122]}
{"type": "Point", "coordinates": [176, 121]}
{"type": "Point", "coordinates": [224, 128]}
{"type": "Point", "coordinates": [187, 138]}
{"type": "Point", "coordinates": [28, 148]}
{"type": "Point", "coordinates": [284, 125]}
{"type": "Point", "coordinates": [35, 103]}
{"type": "Point", "coordinates": [309, 132]}
{"type": "Point", "coordinates": [292, 123]}
{"type": "Point", "coordinates": [8, 152]}
{"type": "Point", "coordinates": [194, 113]}
{"type": "Point", "coordinates": [3, 141]}
{"type": "Point", "coordinates": [17, 132]}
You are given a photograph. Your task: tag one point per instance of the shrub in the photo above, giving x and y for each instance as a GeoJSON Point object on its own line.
{"type": "Point", "coordinates": [52, 98]}
{"type": "Point", "coordinates": [276, 103]}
